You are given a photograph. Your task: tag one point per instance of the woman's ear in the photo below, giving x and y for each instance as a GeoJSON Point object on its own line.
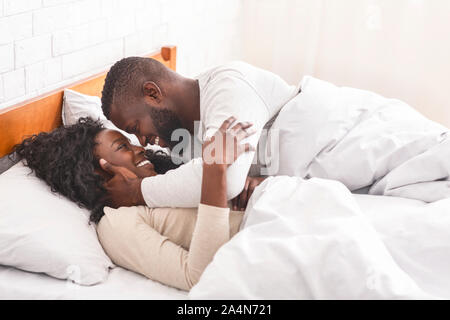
{"type": "Point", "coordinates": [152, 91]}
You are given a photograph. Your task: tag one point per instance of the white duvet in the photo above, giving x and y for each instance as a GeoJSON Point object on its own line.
{"type": "Point", "coordinates": [308, 237]}
{"type": "Point", "coordinates": [313, 239]}
{"type": "Point", "coordinates": [363, 140]}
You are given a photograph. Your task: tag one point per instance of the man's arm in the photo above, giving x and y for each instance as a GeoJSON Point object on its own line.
{"type": "Point", "coordinates": [235, 97]}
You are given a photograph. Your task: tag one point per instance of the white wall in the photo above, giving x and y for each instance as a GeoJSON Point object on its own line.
{"type": "Point", "coordinates": [398, 48]}
{"type": "Point", "coordinates": [45, 44]}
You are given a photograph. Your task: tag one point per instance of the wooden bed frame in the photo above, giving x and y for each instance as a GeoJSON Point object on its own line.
{"type": "Point", "coordinates": [43, 113]}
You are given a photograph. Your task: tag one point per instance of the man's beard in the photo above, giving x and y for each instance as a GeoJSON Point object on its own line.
{"type": "Point", "coordinates": [165, 122]}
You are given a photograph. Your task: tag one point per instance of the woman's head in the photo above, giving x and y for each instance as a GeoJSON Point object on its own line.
{"type": "Point", "coordinates": [67, 159]}
{"type": "Point", "coordinates": [115, 148]}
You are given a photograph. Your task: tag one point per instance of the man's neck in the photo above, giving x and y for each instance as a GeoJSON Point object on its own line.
{"type": "Point", "coordinates": [188, 96]}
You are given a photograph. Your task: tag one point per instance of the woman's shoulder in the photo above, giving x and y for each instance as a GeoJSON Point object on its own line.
{"type": "Point", "coordinates": [123, 218]}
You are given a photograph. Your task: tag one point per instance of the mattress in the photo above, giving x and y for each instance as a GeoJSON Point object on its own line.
{"type": "Point", "coordinates": [121, 284]}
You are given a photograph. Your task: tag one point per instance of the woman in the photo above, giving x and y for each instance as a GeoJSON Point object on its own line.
{"type": "Point", "coordinates": [169, 245]}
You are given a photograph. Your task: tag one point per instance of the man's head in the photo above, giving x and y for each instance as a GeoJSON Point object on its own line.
{"type": "Point", "coordinates": [137, 97]}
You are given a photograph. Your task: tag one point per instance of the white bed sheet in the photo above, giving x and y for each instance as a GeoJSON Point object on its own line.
{"type": "Point", "coordinates": [121, 284]}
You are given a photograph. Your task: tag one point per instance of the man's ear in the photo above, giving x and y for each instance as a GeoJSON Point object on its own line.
{"type": "Point", "coordinates": [152, 91]}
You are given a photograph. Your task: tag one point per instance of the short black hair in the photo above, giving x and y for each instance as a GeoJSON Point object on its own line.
{"type": "Point", "coordinates": [123, 78]}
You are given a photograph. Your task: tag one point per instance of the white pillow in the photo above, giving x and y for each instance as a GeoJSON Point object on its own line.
{"type": "Point", "coordinates": [44, 232]}
{"type": "Point", "coordinates": [77, 105]}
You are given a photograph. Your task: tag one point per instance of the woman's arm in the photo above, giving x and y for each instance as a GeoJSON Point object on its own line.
{"type": "Point", "coordinates": [212, 229]}
{"type": "Point", "coordinates": [214, 186]}
{"type": "Point", "coordinates": [218, 153]}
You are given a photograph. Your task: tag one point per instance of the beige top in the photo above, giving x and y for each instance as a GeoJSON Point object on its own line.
{"type": "Point", "coordinates": [169, 245]}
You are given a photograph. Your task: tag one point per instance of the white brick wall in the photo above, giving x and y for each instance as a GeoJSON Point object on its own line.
{"type": "Point", "coordinates": [14, 84]}
{"type": "Point", "coordinates": [6, 57]}
{"type": "Point", "coordinates": [46, 44]}
{"type": "Point", "coordinates": [16, 28]}
{"type": "Point", "coordinates": [32, 50]}
{"type": "Point", "coordinates": [83, 61]}
{"type": "Point", "coordinates": [43, 74]}
{"type": "Point", "coordinates": [73, 39]}
{"type": "Point", "coordinates": [17, 6]}
{"type": "Point", "coordinates": [1, 87]}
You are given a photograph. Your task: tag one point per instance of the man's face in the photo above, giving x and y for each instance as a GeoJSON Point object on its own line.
{"type": "Point", "coordinates": [150, 123]}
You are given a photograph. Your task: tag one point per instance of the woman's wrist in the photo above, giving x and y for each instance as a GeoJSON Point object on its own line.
{"type": "Point", "coordinates": [214, 185]}
{"type": "Point", "coordinates": [214, 167]}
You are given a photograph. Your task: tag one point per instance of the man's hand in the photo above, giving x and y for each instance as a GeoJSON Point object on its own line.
{"type": "Point", "coordinates": [240, 202]}
{"type": "Point", "coordinates": [124, 188]}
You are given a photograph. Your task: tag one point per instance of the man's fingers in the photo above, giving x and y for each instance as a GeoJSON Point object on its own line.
{"type": "Point", "coordinates": [243, 200]}
{"type": "Point", "coordinates": [243, 196]}
{"type": "Point", "coordinates": [234, 203]}
{"type": "Point", "coordinates": [109, 184]}
{"type": "Point", "coordinates": [108, 167]}
{"type": "Point", "coordinates": [115, 170]}
{"type": "Point", "coordinates": [251, 189]}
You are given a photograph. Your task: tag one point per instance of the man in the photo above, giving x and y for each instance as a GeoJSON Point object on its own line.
{"type": "Point", "coordinates": [145, 98]}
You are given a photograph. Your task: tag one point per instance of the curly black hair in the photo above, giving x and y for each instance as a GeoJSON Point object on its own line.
{"type": "Point", "coordinates": [122, 79]}
{"type": "Point", "coordinates": [65, 160]}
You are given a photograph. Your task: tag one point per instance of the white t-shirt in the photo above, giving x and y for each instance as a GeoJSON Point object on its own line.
{"type": "Point", "coordinates": [234, 89]}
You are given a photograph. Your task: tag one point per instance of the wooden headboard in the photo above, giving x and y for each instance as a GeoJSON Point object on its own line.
{"type": "Point", "coordinates": [43, 113]}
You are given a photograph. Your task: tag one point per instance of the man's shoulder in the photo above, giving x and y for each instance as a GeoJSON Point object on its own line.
{"type": "Point", "coordinates": [229, 76]}
{"type": "Point", "coordinates": [237, 65]}
{"type": "Point", "coordinates": [230, 65]}
{"type": "Point", "coordinates": [232, 69]}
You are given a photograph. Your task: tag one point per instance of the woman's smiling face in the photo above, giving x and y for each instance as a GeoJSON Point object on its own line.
{"type": "Point", "coordinates": [117, 150]}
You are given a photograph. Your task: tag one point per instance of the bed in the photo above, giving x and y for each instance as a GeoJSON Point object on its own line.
{"type": "Point", "coordinates": [300, 238]}
{"type": "Point", "coordinates": [42, 114]}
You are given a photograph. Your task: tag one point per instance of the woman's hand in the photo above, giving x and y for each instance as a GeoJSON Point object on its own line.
{"type": "Point", "coordinates": [240, 202]}
{"type": "Point", "coordinates": [226, 145]}
{"type": "Point", "coordinates": [218, 153]}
